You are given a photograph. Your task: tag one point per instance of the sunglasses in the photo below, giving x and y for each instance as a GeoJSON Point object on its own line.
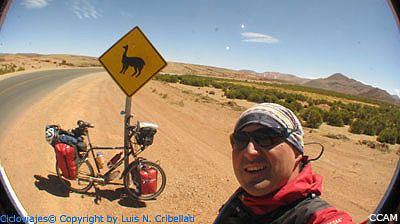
{"type": "Point", "coordinates": [263, 137]}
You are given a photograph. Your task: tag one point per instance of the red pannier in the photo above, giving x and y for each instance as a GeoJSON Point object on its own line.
{"type": "Point", "coordinates": [148, 181]}
{"type": "Point", "coordinates": [66, 160]}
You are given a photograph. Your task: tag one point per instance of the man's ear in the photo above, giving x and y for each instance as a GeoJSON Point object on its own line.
{"type": "Point", "coordinates": [298, 158]}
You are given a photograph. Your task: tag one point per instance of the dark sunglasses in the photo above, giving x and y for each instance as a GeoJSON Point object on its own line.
{"type": "Point", "coordinates": [263, 137]}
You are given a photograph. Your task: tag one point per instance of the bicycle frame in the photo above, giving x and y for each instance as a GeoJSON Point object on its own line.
{"type": "Point", "coordinates": [118, 163]}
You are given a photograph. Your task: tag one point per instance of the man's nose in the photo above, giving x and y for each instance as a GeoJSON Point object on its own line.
{"type": "Point", "coordinates": [250, 151]}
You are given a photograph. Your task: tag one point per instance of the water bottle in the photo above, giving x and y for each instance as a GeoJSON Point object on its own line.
{"type": "Point", "coordinates": [99, 160]}
{"type": "Point", "coordinates": [114, 160]}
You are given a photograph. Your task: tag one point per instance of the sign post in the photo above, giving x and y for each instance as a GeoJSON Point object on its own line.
{"type": "Point", "coordinates": [127, 122]}
{"type": "Point", "coordinates": [132, 62]}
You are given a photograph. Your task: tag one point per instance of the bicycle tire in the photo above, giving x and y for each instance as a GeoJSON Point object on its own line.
{"type": "Point", "coordinates": [130, 179]}
{"type": "Point", "coordinates": [85, 170]}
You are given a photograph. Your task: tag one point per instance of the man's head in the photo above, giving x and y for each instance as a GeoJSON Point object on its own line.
{"type": "Point", "coordinates": [267, 147]}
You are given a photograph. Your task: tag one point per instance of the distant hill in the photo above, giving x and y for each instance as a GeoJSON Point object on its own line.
{"type": "Point", "coordinates": [336, 82]}
{"type": "Point", "coordinates": [204, 70]}
{"type": "Point", "coordinates": [340, 83]}
{"type": "Point", "coordinates": [283, 77]}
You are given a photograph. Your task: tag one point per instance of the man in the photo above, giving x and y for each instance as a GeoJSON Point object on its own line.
{"type": "Point", "coordinates": [276, 181]}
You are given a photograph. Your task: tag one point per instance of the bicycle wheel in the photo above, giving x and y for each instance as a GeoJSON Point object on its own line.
{"type": "Point", "coordinates": [82, 182]}
{"type": "Point", "coordinates": [132, 181]}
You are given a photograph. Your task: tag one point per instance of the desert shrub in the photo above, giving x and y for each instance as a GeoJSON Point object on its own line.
{"type": "Point", "coordinates": [334, 118]}
{"type": "Point", "coordinates": [370, 129]}
{"type": "Point", "coordinates": [7, 68]}
{"type": "Point", "coordinates": [288, 105]}
{"type": "Point", "coordinates": [347, 117]}
{"type": "Point", "coordinates": [290, 99]}
{"type": "Point", "coordinates": [195, 80]}
{"type": "Point", "coordinates": [383, 147]}
{"type": "Point", "coordinates": [296, 105]}
{"type": "Point", "coordinates": [377, 124]}
{"type": "Point", "coordinates": [366, 112]}
{"type": "Point", "coordinates": [320, 101]}
{"type": "Point", "coordinates": [388, 135]}
{"type": "Point", "coordinates": [337, 136]}
{"type": "Point", "coordinates": [301, 97]}
{"type": "Point", "coordinates": [358, 126]}
{"type": "Point", "coordinates": [312, 117]}
{"type": "Point", "coordinates": [270, 99]}
{"type": "Point", "coordinates": [167, 78]}
{"type": "Point", "coordinates": [255, 97]}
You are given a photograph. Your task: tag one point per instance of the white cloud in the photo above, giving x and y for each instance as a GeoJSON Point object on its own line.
{"type": "Point", "coordinates": [35, 4]}
{"type": "Point", "coordinates": [85, 9]}
{"type": "Point", "coordinates": [397, 91]}
{"type": "Point", "coordinates": [259, 38]}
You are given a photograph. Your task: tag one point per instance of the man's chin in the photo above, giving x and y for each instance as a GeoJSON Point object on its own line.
{"type": "Point", "coordinates": [259, 189]}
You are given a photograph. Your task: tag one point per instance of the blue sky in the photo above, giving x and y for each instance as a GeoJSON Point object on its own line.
{"type": "Point", "coordinates": [309, 38]}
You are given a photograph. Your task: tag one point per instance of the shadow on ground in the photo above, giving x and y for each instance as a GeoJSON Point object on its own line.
{"type": "Point", "coordinates": [53, 185]}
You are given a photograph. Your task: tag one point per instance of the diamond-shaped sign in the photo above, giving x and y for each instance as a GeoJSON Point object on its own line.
{"type": "Point", "coordinates": [132, 61]}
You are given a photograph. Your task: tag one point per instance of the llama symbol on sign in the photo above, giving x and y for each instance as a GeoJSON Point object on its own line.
{"type": "Point", "coordinates": [136, 62]}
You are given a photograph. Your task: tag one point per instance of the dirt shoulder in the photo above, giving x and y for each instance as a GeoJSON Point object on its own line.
{"type": "Point", "coordinates": [192, 146]}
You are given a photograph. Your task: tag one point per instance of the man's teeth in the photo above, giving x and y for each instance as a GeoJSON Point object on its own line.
{"type": "Point", "coordinates": [256, 168]}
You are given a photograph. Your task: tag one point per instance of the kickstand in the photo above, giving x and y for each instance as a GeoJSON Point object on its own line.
{"type": "Point", "coordinates": [98, 196]}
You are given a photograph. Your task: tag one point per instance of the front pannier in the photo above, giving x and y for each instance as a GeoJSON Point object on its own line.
{"type": "Point", "coordinates": [148, 181]}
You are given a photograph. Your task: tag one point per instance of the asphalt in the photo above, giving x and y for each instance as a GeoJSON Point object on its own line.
{"type": "Point", "coordinates": [19, 92]}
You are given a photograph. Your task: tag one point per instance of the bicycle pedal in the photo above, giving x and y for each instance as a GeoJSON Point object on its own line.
{"type": "Point", "coordinates": [113, 175]}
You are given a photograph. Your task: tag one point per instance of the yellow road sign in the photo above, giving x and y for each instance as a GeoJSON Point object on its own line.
{"type": "Point", "coordinates": [132, 61]}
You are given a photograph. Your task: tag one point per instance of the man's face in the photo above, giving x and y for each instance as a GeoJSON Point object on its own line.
{"type": "Point", "coordinates": [263, 170]}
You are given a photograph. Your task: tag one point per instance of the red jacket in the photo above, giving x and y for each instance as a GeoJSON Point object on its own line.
{"type": "Point", "coordinates": [305, 184]}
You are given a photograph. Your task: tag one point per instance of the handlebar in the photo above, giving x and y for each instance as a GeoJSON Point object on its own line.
{"type": "Point", "coordinates": [83, 124]}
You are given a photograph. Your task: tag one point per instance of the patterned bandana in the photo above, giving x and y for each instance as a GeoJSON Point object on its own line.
{"type": "Point", "coordinates": [274, 116]}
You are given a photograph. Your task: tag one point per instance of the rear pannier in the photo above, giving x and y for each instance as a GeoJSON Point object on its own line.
{"type": "Point", "coordinates": [67, 160]}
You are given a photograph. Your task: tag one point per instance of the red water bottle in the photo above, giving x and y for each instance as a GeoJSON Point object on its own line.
{"type": "Point", "coordinates": [114, 160]}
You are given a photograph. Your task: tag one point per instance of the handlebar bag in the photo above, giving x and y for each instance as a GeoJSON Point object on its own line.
{"type": "Point", "coordinates": [67, 160]}
{"type": "Point", "coordinates": [145, 136]}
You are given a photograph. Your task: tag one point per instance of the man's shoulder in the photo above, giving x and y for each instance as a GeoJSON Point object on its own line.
{"type": "Point", "coordinates": [330, 215]}
{"type": "Point", "coordinates": [310, 210]}
{"type": "Point", "coordinates": [300, 211]}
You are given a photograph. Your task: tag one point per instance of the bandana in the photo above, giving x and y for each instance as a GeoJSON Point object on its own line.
{"type": "Point", "coordinates": [274, 116]}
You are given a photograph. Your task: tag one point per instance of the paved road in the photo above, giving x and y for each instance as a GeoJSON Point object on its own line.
{"type": "Point", "coordinates": [19, 92]}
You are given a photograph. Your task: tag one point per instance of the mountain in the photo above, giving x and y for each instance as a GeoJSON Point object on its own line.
{"type": "Point", "coordinates": [336, 82]}
{"type": "Point", "coordinates": [395, 97]}
{"type": "Point", "coordinates": [204, 70]}
{"type": "Point", "coordinates": [283, 77]}
{"type": "Point", "coordinates": [340, 83]}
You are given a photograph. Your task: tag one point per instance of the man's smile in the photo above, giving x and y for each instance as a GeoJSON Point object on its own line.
{"type": "Point", "coordinates": [254, 168]}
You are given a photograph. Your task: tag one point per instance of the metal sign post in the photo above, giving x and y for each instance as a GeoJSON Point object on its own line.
{"type": "Point", "coordinates": [126, 131]}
